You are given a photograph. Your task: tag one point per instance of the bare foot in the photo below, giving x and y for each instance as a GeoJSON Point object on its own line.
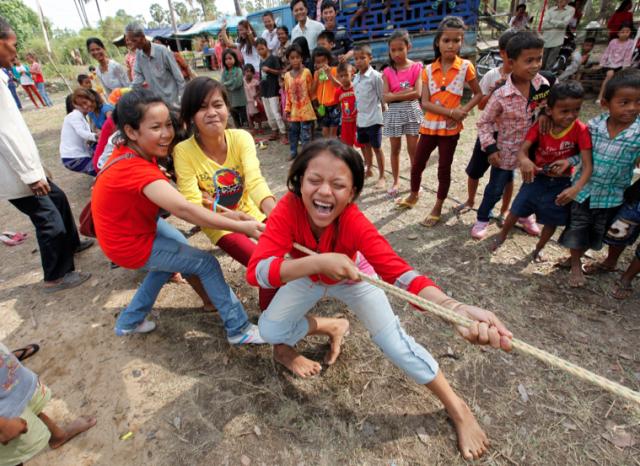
{"type": "Point", "coordinates": [472, 441]}
{"type": "Point", "coordinates": [368, 173]}
{"type": "Point", "coordinates": [381, 183]}
{"type": "Point", "coordinates": [496, 243]}
{"type": "Point", "coordinates": [576, 277]}
{"type": "Point", "coordinates": [336, 336]}
{"type": "Point", "coordinates": [538, 257]}
{"type": "Point", "coordinates": [564, 263]}
{"type": "Point", "coordinates": [295, 362]}
{"type": "Point", "coordinates": [72, 429]}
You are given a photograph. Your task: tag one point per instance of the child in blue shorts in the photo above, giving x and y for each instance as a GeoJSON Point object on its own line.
{"type": "Point", "coordinates": [615, 136]}
{"type": "Point", "coordinates": [547, 189]}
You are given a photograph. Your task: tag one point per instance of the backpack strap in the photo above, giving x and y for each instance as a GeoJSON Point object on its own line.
{"type": "Point", "coordinates": [128, 155]}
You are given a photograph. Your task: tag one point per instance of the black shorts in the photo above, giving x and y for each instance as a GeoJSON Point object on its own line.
{"type": "Point", "coordinates": [331, 118]}
{"type": "Point", "coordinates": [587, 227]}
{"type": "Point", "coordinates": [370, 135]}
{"type": "Point", "coordinates": [479, 162]}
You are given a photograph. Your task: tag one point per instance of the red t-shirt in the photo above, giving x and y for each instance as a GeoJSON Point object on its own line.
{"type": "Point", "coordinates": [108, 128]}
{"type": "Point", "coordinates": [347, 100]}
{"type": "Point", "coordinates": [124, 218]}
{"type": "Point", "coordinates": [351, 234]}
{"type": "Point", "coordinates": [561, 146]}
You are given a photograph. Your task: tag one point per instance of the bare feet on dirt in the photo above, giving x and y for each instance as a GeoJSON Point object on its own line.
{"type": "Point", "coordinates": [576, 277]}
{"type": "Point", "coordinates": [381, 183]}
{"type": "Point", "coordinates": [538, 257]}
{"type": "Point", "coordinates": [295, 362]}
{"type": "Point", "coordinates": [472, 441]}
{"type": "Point", "coordinates": [336, 335]}
{"type": "Point", "coordinates": [82, 424]}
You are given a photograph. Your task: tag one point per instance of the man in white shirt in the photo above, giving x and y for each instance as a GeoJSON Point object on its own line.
{"type": "Point", "coordinates": [554, 26]}
{"type": "Point", "coordinates": [270, 33]}
{"type": "Point", "coordinates": [23, 182]}
{"type": "Point", "coordinates": [306, 27]}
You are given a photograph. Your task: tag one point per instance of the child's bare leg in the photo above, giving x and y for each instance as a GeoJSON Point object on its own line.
{"type": "Point", "coordinates": [576, 277]}
{"type": "Point", "coordinates": [607, 77]}
{"type": "Point", "coordinates": [367, 154]}
{"type": "Point", "coordinates": [506, 199]}
{"type": "Point", "coordinates": [622, 289]}
{"type": "Point", "coordinates": [436, 211]}
{"type": "Point", "coordinates": [196, 284]}
{"type": "Point", "coordinates": [545, 235]}
{"type": "Point", "coordinates": [333, 131]}
{"type": "Point", "coordinates": [61, 435]}
{"type": "Point", "coordinates": [609, 264]}
{"type": "Point", "coordinates": [380, 162]}
{"type": "Point", "coordinates": [472, 189]}
{"type": "Point", "coordinates": [334, 328]}
{"type": "Point", "coordinates": [325, 131]}
{"type": "Point", "coordinates": [396, 145]}
{"type": "Point", "coordinates": [508, 224]}
{"type": "Point", "coordinates": [472, 441]}
{"type": "Point", "coordinates": [412, 144]}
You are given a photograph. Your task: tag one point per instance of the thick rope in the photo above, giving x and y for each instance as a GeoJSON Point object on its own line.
{"type": "Point", "coordinates": [455, 318]}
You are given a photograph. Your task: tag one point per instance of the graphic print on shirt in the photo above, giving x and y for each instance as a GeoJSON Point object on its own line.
{"type": "Point", "coordinates": [226, 186]}
{"type": "Point", "coordinates": [8, 363]}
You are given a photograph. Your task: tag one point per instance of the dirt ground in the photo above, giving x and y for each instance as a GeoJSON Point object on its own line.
{"type": "Point", "coordinates": [188, 398]}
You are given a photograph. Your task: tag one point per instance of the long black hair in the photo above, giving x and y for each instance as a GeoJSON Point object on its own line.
{"type": "Point", "coordinates": [398, 34]}
{"type": "Point", "coordinates": [341, 151]}
{"type": "Point", "coordinates": [242, 41]}
{"type": "Point", "coordinates": [448, 22]}
{"type": "Point", "coordinates": [194, 94]}
{"type": "Point", "coordinates": [131, 108]}
{"type": "Point", "coordinates": [625, 5]}
{"type": "Point", "coordinates": [236, 62]}
{"type": "Point", "coordinates": [95, 40]}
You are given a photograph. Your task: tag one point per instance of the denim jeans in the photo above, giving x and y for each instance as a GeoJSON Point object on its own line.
{"type": "Point", "coordinates": [284, 321]}
{"type": "Point", "coordinates": [172, 253]}
{"type": "Point", "coordinates": [43, 93]}
{"type": "Point", "coordinates": [14, 93]}
{"type": "Point", "coordinates": [498, 180]}
{"type": "Point", "coordinates": [298, 131]}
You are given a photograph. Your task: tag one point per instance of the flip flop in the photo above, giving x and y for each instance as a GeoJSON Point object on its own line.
{"type": "Point", "coordinates": [392, 192]}
{"type": "Point", "coordinates": [406, 204]}
{"type": "Point", "coordinates": [596, 268]}
{"type": "Point", "coordinates": [15, 236]}
{"type": "Point", "coordinates": [430, 221]}
{"type": "Point", "coordinates": [26, 352]}
{"type": "Point", "coordinates": [11, 241]}
{"type": "Point", "coordinates": [461, 208]}
{"type": "Point", "coordinates": [620, 291]}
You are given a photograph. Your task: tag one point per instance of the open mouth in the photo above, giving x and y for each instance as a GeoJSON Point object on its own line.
{"type": "Point", "coordinates": [323, 208]}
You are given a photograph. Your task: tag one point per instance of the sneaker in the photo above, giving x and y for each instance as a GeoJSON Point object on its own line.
{"type": "Point", "coordinates": [145, 327]}
{"type": "Point", "coordinates": [479, 230]}
{"type": "Point", "coordinates": [250, 336]}
{"type": "Point", "coordinates": [530, 226]}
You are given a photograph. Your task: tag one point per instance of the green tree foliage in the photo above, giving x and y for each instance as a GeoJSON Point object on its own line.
{"type": "Point", "coordinates": [159, 14]}
{"type": "Point", "coordinates": [23, 19]}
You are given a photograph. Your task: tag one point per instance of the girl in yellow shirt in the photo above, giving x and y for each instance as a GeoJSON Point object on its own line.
{"type": "Point", "coordinates": [219, 166]}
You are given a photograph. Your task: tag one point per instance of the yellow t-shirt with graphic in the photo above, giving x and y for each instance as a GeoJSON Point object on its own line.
{"type": "Point", "coordinates": [237, 184]}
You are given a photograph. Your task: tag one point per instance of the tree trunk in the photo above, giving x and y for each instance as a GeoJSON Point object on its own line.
{"type": "Point", "coordinates": [605, 6]}
{"type": "Point", "coordinates": [236, 3]}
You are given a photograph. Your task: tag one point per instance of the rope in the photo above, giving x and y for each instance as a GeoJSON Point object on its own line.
{"type": "Point", "coordinates": [454, 318]}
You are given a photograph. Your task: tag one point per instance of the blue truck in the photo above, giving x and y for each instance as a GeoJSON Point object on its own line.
{"type": "Point", "coordinates": [421, 20]}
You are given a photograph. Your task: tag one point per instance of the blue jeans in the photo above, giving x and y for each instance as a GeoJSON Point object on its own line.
{"type": "Point", "coordinates": [498, 180]}
{"type": "Point", "coordinates": [14, 93]}
{"type": "Point", "coordinates": [43, 93]}
{"type": "Point", "coordinates": [298, 131]}
{"type": "Point", "coordinates": [171, 253]}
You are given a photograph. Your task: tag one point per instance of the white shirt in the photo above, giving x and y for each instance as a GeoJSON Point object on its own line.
{"type": "Point", "coordinates": [574, 65]}
{"type": "Point", "coordinates": [250, 58]}
{"type": "Point", "coordinates": [554, 24]}
{"type": "Point", "coordinates": [272, 39]}
{"type": "Point", "coordinates": [489, 80]}
{"type": "Point", "coordinates": [115, 77]}
{"type": "Point", "coordinates": [312, 30]}
{"type": "Point", "coordinates": [25, 80]}
{"type": "Point", "coordinates": [74, 136]}
{"type": "Point", "coordinates": [20, 163]}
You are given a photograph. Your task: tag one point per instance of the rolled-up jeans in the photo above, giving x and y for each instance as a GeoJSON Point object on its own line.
{"type": "Point", "coordinates": [171, 253]}
{"type": "Point", "coordinates": [285, 322]}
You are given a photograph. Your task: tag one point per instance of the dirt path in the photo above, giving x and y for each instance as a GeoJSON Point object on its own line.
{"type": "Point", "coordinates": [189, 398]}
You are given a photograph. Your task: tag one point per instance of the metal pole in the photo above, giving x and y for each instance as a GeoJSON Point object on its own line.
{"type": "Point", "coordinates": [48, 45]}
{"type": "Point", "coordinates": [172, 13]}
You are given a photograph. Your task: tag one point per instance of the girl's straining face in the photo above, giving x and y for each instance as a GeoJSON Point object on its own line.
{"type": "Point", "coordinates": [229, 61]}
{"type": "Point", "coordinates": [398, 50]}
{"type": "Point", "coordinates": [154, 136]}
{"type": "Point", "coordinates": [211, 119]}
{"type": "Point", "coordinates": [450, 43]}
{"type": "Point", "coordinates": [327, 189]}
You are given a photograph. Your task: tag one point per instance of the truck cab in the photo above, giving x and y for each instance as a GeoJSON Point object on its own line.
{"type": "Point", "coordinates": [375, 26]}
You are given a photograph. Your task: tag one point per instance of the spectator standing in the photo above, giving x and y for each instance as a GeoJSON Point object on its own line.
{"type": "Point", "coordinates": [112, 74]}
{"type": "Point", "coordinates": [520, 21]}
{"type": "Point", "coordinates": [270, 33]}
{"type": "Point", "coordinates": [283, 45]}
{"type": "Point", "coordinates": [554, 25]}
{"type": "Point", "coordinates": [23, 182]}
{"type": "Point", "coordinates": [38, 78]}
{"type": "Point", "coordinates": [270, 71]}
{"type": "Point", "coordinates": [305, 27]}
{"type": "Point", "coordinates": [342, 40]}
{"type": "Point", "coordinates": [129, 58]}
{"type": "Point", "coordinates": [622, 15]}
{"type": "Point", "coordinates": [156, 66]}
{"type": "Point", "coordinates": [246, 43]}
{"type": "Point", "coordinates": [23, 76]}
{"type": "Point", "coordinates": [11, 83]}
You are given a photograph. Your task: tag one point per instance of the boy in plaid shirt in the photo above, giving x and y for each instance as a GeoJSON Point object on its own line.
{"type": "Point", "coordinates": [616, 151]}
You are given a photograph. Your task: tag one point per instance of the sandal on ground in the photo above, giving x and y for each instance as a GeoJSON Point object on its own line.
{"type": "Point", "coordinates": [406, 204]}
{"type": "Point", "coordinates": [12, 239]}
{"type": "Point", "coordinates": [596, 268]}
{"type": "Point", "coordinates": [26, 352]}
{"type": "Point", "coordinates": [17, 236]}
{"type": "Point", "coordinates": [461, 208]}
{"type": "Point", "coordinates": [621, 291]}
{"type": "Point", "coordinates": [392, 192]}
{"type": "Point", "coordinates": [430, 221]}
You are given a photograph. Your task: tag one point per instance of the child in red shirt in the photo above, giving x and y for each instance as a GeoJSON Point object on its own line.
{"type": "Point", "coordinates": [346, 97]}
{"type": "Point", "coordinates": [547, 191]}
{"type": "Point", "coordinates": [319, 212]}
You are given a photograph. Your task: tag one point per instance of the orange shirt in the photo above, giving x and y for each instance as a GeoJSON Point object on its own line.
{"type": "Point", "coordinates": [326, 90]}
{"type": "Point", "coordinates": [445, 90]}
